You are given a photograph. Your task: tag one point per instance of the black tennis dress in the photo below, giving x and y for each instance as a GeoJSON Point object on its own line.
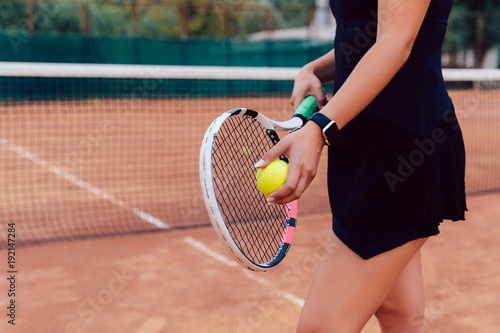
{"type": "Point", "coordinates": [397, 169]}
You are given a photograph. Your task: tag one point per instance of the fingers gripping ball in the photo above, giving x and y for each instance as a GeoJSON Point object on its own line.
{"type": "Point", "coordinates": [272, 177]}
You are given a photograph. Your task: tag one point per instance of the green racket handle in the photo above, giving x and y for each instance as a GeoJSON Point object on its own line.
{"type": "Point", "coordinates": [306, 108]}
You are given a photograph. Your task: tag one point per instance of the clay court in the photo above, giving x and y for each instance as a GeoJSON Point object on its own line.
{"type": "Point", "coordinates": [162, 282]}
{"type": "Point", "coordinates": [112, 236]}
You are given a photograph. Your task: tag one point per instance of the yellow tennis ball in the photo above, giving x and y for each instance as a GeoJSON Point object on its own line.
{"type": "Point", "coordinates": [245, 150]}
{"type": "Point", "coordinates": [272, 177]}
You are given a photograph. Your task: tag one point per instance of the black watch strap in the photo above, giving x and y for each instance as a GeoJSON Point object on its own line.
{"type": "Point", "coordinates": [329, 128]}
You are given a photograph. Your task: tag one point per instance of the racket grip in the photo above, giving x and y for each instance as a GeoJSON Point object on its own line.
{"type": "Point", "coordinates": [306, 108]}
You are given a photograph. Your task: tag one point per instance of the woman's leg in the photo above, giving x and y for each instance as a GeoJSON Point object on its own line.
{"type": "Point", "coordinates": [347, 290]}
{"type": "Point", "coordinates": [403, 309]}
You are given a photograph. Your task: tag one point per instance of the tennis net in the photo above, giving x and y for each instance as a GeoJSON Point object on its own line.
{"type": "Point", "coordinates": [101, 150]}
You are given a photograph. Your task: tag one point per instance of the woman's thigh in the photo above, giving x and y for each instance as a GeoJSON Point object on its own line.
{"type": "Point", "coordinates": [347, 290]}
{"type": "Point", "coordinates": [403, 309]}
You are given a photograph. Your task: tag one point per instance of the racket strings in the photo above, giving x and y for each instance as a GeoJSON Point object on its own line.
{"type": "Point", "coordinates": [256, 227]}
{"type": "Point", "coordinates": [255, 238]}
{"type": "Point", "coordinates": [263, 244]}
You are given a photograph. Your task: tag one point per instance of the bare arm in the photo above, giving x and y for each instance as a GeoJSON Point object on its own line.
{"type": "Point", "coordinates": [324, 67]}
{"type": "Point", "coordinates": [311, 77]}
{"type": "Point", "coordinates": [396, 33]}
{"type": "Point", "coordinates": [398, 27]}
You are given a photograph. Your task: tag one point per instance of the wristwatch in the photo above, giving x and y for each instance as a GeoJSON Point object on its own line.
{"type": "Point", "coordinates": [329, 128]}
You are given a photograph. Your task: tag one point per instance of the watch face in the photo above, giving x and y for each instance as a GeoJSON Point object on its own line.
{"type": "Point", "coordinates": [327, 127]}
{"type": "Point", "coordinates": [331, 131]}
{"type": "Point", "coordinates": [327, 142]}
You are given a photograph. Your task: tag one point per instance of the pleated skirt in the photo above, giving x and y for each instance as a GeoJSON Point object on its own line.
{"type": "Point", "coordinates": [388, 186]}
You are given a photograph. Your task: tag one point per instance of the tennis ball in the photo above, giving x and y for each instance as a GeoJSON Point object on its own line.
{"type": "Point", "coordinates": [245, 150]}
{"type": "Point", "coordinates": [272, 177]}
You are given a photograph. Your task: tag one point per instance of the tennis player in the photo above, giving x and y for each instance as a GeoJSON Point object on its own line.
{"type": "Point", "coordinates": [396, 162]}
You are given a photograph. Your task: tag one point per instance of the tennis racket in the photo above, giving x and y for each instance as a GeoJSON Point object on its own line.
{"type": "Point", "coordinates": [257, 235]}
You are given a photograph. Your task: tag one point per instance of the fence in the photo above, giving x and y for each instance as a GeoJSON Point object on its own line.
{"type": "Point", "coordinates": [129, 50]}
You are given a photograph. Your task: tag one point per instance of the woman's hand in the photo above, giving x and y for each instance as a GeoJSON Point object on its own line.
{"type": "Point", "coordinates": [303, 149]}
{"type": "Point", "coordinates": [307, 83]}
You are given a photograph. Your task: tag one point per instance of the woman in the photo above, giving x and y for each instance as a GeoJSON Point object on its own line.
{"type": "Point", "coordinates": [396, 162]}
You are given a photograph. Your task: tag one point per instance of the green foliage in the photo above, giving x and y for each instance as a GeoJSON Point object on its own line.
{"type": "Point", "coordinates": [56, 17]}
{"type": "Point", "coordinates": [204, 18]}
{"type": "Point", "coordinates": [478, 5]}
{"type": "Point", "coordinates": [108, 20]}
{"type": "Point", "coordinates": [288, 13]}
{"type": "Point", "coordinates": [294, 13]}
{"type": "Point", "coordinates": [160, 22]}
{"type": "Point", "coordinates": [13, 17]}
{"type": "Point", "coordinates": [463, 26]}
{"type": "Point", "coordinates": [464, 29]}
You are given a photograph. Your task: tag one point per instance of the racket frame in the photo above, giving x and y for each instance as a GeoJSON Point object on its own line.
{"type": "Point", "coordinates": [303, 112]}
{"type": "Point", "coordinates": [208, 190]}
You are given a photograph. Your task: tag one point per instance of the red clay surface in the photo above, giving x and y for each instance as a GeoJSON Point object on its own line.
{"type": "Point", "coordinates": [143, 155]}
{"type": "Point", "coordinates": [159, 282]}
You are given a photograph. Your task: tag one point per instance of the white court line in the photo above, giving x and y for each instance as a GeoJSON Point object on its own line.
{"type": "Point", "coordinates": [80, 183]}
{"type": "Point", "coordinates": [228, 262]}
{"type": "Point", "coordinates": [203, 248]}
{"type": "Point", "coordinates": [286, 295]}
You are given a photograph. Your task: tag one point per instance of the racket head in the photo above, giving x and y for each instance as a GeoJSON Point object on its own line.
{"type": "Point", "coordinates": [256, 234]}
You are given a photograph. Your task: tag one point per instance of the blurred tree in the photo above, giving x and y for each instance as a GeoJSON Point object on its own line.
{"type": "Point", "coordinates": [288, 13]}
{"type": "Point", "coordinates": [13, 17]}
{"type": "Point", "coordinates": [166, 18]}
{"type": "Point", "coordinates": [294, 13]}
{"type": "Point", "coordinates": [56, 17]}
{"type": "Point", "coordinates": [473, 24]}
{"type": "Point", "coordinates": [110, 20]}
{"type": "Point", "coordinates": [190, 18]}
